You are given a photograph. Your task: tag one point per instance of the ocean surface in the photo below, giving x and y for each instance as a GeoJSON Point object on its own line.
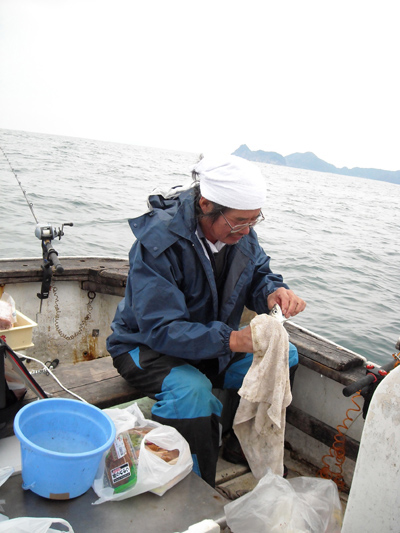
{"type": "Point", "coordinates": [335, 239]}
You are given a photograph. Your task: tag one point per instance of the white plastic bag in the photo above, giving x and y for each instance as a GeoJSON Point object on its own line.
{"type": "Point", "coordinates": [297, 505]}
{"type": "Point", "coordinates": [33, 525]}
{"type": "Point", "coordinates": [153, 473]}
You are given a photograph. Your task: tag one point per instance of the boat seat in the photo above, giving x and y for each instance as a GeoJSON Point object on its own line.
{"type": "Point", "coordinates": [98, 382]}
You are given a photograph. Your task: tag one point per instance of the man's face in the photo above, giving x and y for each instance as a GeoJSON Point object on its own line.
{"type": "Point", "coordinates": [221, 229]}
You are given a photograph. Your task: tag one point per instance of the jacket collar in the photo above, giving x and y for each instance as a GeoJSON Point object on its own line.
{"type": "Point", "coordinates": [165, 223]}
{"type": "Point", "coordinates": [178, 219]}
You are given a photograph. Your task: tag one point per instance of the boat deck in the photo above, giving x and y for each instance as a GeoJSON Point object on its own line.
{"type": "Point", "coordinates": [98, 382]}
{"type": "Point", "coordinates": [173, 512]}
{"type": "Point", "coordinates": [148, 513]}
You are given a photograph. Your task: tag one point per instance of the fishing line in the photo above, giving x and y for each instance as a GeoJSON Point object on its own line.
{"type": "Point", "coordinates": [30, 204]}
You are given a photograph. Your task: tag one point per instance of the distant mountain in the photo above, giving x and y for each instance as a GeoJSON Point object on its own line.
{"type": "Point", "coordinates": [310, 161]}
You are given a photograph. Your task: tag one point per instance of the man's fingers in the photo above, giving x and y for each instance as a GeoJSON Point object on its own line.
{"type": "Point", "coordinates": [287, 300]}
{"type": "Point", "coordinates": [296, 306]}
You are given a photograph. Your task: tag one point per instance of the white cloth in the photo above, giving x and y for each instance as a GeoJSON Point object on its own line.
{"type": "Point", "coordinates": [260, 418]}
{"type": "Point", "coordinates": [231, 181]}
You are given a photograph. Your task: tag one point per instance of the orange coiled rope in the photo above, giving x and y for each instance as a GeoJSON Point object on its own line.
{"type": "Point", "coordinates": [337, 452]}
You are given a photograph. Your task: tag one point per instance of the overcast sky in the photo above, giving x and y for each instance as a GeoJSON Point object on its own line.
{"type": "Point", "coordinates": [197, 76]}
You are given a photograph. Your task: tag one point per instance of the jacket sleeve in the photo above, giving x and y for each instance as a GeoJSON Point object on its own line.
{"type": "Point", "coordinates": [264, 282]}
{"type": "Point", "coordinates": [158, 306]}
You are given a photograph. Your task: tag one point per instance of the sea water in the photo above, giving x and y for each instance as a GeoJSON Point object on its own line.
{"type": "Point", "coordinates": [335, 239]}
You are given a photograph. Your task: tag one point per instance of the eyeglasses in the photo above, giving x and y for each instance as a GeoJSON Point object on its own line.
{"type": "Point", "coordinates": [239, 227]}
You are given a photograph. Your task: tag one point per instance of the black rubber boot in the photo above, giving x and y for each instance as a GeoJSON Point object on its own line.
{"type": "Point", "coordinates": [232, 451]}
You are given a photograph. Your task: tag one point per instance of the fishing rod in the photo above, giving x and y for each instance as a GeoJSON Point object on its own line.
{"type": "Point", "coordinates": [46, 234]}
{"type": "Point", "coordinates": [30, 204]}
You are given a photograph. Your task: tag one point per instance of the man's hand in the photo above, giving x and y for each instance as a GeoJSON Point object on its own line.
{"type": "Point", "coordinates": [241, 341]}
{"type": "Point", "coordinates": [291, 305]}
{"type": "Point", "coordinates": [287, 300]}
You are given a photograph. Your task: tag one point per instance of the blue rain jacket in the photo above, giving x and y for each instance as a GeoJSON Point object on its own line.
{"type": "Point", "coordinates": [171, 301]}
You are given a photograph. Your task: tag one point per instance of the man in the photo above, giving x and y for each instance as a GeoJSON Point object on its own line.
{"type": "Point", "coordinates": [195, 265]}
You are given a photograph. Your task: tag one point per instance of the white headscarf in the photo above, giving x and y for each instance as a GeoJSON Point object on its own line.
{"type": "Point", "coordinates": [231, 181]}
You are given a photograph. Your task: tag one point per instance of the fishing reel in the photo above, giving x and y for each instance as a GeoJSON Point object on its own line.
{"type": "Point", "coordinates": [47, 233]}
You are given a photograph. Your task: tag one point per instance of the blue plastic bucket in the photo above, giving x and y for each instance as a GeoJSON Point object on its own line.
{"type": "Point", "coordinates": [62, 442]}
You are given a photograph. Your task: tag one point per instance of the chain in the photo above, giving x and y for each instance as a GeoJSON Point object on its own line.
{"type": "Point", "coordinates": [91, 296]}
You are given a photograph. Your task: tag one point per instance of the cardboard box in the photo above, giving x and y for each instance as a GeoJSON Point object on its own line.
{"type": "Point", "coordinates": [19, 336]}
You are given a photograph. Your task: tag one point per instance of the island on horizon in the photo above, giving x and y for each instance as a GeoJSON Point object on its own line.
{"type": "Point", "coordinates": [310, 161]}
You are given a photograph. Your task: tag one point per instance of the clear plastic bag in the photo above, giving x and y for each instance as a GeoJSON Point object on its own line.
{"type": "Point", "coordinates": [14, 382]}
{"type": "Point", "coordinates": [299, 505]}
{"type": "Point", "coordinates": [141, 466]}
{"type": "Point", "coordinates": [8, 314]}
